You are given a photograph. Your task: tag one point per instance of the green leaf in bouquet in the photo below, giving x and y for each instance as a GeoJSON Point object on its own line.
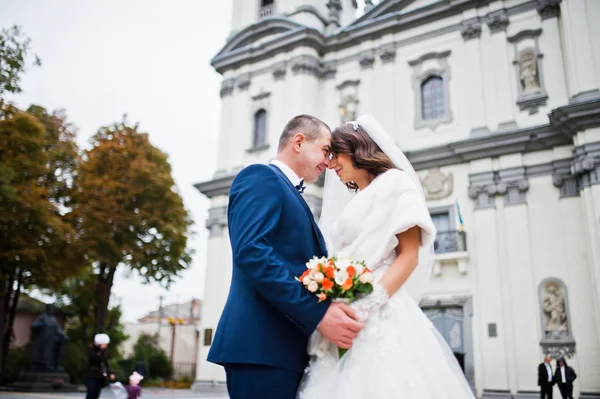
{"type": "Point", "coordinates": [364, 288]}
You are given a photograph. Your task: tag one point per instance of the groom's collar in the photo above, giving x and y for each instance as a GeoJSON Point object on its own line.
{"type": "Point", "coordinates": [287, 171]}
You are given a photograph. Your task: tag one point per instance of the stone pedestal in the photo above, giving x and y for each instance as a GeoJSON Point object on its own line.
{"type": "Point", "coordinates": [43, 382]}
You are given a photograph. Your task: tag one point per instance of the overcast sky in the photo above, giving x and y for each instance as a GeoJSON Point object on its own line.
{"type": "Point", "coordinates": [151, 60]}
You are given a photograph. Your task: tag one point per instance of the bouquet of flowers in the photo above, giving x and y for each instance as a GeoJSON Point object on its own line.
{"type": "Point", "coordinates": [339, 279]}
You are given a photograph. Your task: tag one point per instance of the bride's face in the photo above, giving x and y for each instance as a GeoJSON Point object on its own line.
{"type": "Point", "coordinates": [343, 167]}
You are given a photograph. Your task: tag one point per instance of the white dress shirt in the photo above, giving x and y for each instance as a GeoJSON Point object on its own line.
{"type": "Point", "coordinates": [549, 371]}
{"type": "Point", "coordinates": [562, 374]}
{"type": "Point", "coordinates": [287, 171]}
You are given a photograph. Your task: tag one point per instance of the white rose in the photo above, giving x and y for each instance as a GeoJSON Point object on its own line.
{"type": "Point", "coordinates": [312, 286]}
{"type": "Point", "coordinates": [341, 276]}
{"type": "Point", "coordinates": [308, 280]}
{"type": "Point", "coordinates": [366, 278]}
{"type": "Point", "coordinates": [318, 277]}
{"type": "Point", "coordinates": [359, 269]}
{"type": "Point", "coordinates": [343, 264]}
{"type": "Point", "coordinates": [312, 264]}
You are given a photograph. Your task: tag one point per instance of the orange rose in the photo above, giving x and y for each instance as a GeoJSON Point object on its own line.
{"type": "Point", "coordinates": [321, 297]}
{"type": "Point", "coordinates": [304, 274]}
{"type": "Point", "coordinates": [366, 270]}
{"type": "Point", "coordinates": [330, 271]}
{"type": "Point", "coordinates": [347, 284]}
{"type": "Point", "coordinates": [351, 271]}
{"type": "Point", "coordinates": [327, 284]}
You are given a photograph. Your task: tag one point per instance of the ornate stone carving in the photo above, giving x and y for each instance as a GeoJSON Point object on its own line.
{"type": "Point", "coordinates": [348, 109]}
{"type": "Point", "coordinates": [366, 59]}
{"type": "Point", "coordinates": [548, 8]}
{"type": "Point", "coordinates": [387, 53]}
{"type": "Point", "coordinates": [306, 65]}
{"type": "Point", "coordinates": [437, 185]}
{"type": "Point", "coordinates": [555, 311]}
{"type": "Point", "coordinates": [243, 82]}
{"type": "Point", "coordinates": [227, 87]}
{"type": "Point", "coordinates": [279, 70]}
{"type": "Point", "coordinates": [497, 21]}
{"type": "Point", "coordinates": [335, 9]}
{"type": "Point", "coordinates": [471, 31]}
{"type": "Point", "coordinates": [557, 339]}
{"type": "Point", "coordinates": [529, 76]}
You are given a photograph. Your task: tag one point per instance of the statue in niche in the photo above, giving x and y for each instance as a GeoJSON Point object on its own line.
{"type": "Point", "coordinates": [528, 72]}
{"type": "Point", "coordinates": [555, 312]}
{"type": "Point", "coordinates": [348, 109]}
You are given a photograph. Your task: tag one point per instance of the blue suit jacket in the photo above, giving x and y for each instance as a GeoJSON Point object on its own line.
{"type": "Point", "coordinates": [268, 315]}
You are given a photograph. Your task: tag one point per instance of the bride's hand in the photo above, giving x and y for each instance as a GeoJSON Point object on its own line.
{"type": "Point", "coordinates": [366, 305]}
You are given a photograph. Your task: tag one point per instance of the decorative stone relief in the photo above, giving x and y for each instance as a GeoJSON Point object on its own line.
{"type": "Point", "coordinates": [227, 87]}
{"type": "Point", "coordinates": [586, 165]}
{"type": "Point", "coordinates": [548, 8]}
{"type": "Point", "coordinates": [437, 185]}
{"type": "Point", "coordinates": [557, 338]}
{"type": "Point", "coordinates": [387, 53]}
{"type": "Point", "coordinates": [510, 183]}
{"type": "Point", "coordinates": [471, 29]}
{"type": "Point", "coordinates": [366, 59]}
{"type": "Point", "coordinates": [243, 82]}
{"type": "Point", "coordinates": [279, 70]}
{"type": "Point", "coordinates": [497, 21]}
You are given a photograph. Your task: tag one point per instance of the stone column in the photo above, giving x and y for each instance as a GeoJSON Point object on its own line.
{"type": "Point", "coordinates": [489, 297]}
{"type": "Point", "coordinates": [497, 21]}
{"type": "Point", "coordinates": [471, 33]}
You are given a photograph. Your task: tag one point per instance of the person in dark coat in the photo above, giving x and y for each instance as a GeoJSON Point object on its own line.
{"type": "Point", "coordinates": [564, 377]}
{"type": "Point", "coordinates": [97, 366]}
{"type": "Point", "coordinates": [545, 378]}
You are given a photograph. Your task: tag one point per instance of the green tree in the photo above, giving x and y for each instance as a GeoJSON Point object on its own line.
{"type": "Point", "coordinates": [75, 297]}
{"type": "Point", "coordinates": [37, 240]}
{"type": "Point", "coordinates": [128, 213]}
{"type": "Point", "coordinates": [14, 48]}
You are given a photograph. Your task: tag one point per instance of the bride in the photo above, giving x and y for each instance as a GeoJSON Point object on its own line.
{"type": "Point", "coordinates": [379, 215]}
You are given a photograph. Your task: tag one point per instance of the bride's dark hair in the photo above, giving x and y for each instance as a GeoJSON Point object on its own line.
{"type": "Point", "coordinates": [362, 150]}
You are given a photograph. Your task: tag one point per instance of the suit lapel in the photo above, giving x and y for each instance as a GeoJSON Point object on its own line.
{"type": "Point", "coordinates": [315, 227]}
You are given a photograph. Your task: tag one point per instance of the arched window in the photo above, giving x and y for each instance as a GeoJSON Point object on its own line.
{"type": "Point", "coordinates": [432, 98]}
{"type": "Point", "coordinates": [260, 128]}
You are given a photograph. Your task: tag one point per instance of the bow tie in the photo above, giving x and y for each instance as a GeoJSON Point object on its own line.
{"type": "Point", "coordinates": [300, 186]}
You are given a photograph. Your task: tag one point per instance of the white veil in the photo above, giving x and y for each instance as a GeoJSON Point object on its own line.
{"type": "Point", "coordinates": [336, 195]}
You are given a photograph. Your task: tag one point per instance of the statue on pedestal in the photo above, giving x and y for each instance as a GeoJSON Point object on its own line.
{"type": "Point", "coordinates": [48, 343]}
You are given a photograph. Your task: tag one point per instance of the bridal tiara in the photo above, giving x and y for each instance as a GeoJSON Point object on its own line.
{"type": "Point", "coordinates": [354, 125]}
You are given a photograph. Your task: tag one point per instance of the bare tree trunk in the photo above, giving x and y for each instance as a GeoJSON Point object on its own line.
{"type": "Point", "coordinates": [11, 318]}
{"type": "Point", "coordinates": [2, 313]}
{"type": "Point", "coordinates": [102, 296]}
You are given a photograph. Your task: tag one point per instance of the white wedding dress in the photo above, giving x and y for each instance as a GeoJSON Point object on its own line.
{"type": "Point", "coordinates": [399, 353]}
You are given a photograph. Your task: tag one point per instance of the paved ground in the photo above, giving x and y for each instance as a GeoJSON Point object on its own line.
{"type": "Point", "coordinates": [147, 393]}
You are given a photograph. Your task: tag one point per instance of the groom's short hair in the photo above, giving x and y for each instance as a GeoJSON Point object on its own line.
{"type": "Point", "coordinates": [310, 126]}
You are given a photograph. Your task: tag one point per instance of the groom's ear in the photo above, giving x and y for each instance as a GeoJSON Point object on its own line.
{"type": "Point", "coordinates": [298, 141]}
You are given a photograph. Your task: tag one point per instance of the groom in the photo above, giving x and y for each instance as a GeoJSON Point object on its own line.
{"type": "Point", "coordinates": [262, 336]}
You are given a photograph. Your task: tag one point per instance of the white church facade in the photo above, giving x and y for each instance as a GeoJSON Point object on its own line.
{"type": "Point", "coordinates": [497, 105]}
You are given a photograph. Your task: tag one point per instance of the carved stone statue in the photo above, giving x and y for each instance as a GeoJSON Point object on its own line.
{"type": "Point", "coordinates": [348, 109]}
{"type": "Point", "coordinates": [555, 312]}
{"type": "Point", "coordinates": [49, 343]}
{"type": "Point", "coordinates": [530, 81]}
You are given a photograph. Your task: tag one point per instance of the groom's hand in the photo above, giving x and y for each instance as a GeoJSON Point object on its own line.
{"type": "Point", "coordinates": [339, 325]}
